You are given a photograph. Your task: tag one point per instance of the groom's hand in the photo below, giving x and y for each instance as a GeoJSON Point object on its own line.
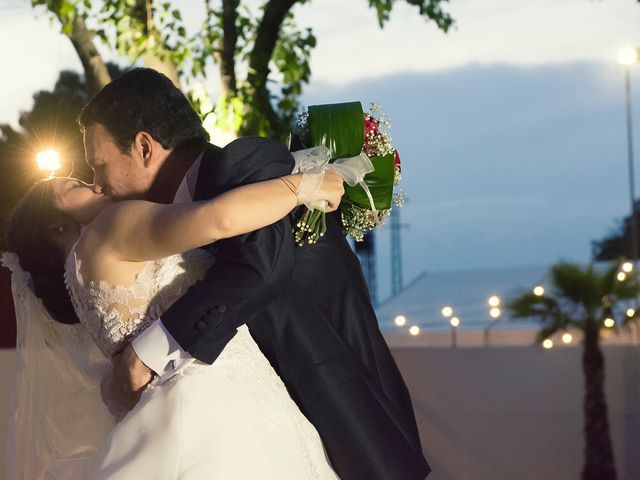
{"type": "Point", "coordinates": [130, 376]}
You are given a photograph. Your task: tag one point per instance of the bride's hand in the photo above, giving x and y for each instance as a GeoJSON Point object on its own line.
{"type": "Point", "coordinates": [330, 190]}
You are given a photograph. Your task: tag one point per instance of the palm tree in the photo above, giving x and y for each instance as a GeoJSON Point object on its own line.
{"type": "Point", "coordinates": [586, 299]}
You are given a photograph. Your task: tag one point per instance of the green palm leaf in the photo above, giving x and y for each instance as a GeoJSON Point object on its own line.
{"type": "Point", "coordinates": [577, 285]}
{"type": "Point", "coordinates": [579, 297]}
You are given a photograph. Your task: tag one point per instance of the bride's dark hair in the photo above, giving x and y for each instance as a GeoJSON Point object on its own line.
{"type": "Point", "coordinates": [35, 234]}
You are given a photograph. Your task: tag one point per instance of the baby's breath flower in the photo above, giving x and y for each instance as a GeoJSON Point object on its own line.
{"type": "Point", "coordinates": [399, 198]}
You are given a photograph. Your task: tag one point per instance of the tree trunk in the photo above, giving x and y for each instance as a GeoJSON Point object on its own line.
{"type": "Point", "coordinates": [228, 121]}
{"type": "Point", "coordinates": [225, 57]}
{"type": "Point", "coordinates": [599, 463]}
{"type": "Point", "coordinates": [161, 63]}
{"type": "Point", "coordinates": [157, 56]}
{"type": "Point", "coordinates": [95, 70]}
{"type": "Point", "coordinates": [260, 115]}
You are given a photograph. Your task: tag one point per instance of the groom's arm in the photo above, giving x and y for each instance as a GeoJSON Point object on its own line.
{"type": "Point", "coordinates": [249, 272]}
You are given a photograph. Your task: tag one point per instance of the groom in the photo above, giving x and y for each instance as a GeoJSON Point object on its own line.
{"type": "Point", "coordinates": [307, 307]}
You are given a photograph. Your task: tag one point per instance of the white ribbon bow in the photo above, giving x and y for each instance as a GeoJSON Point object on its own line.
{"type": "Point", "coordinates": [313, 162]}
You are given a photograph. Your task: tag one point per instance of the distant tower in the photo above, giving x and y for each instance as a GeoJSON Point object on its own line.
{"type": "Point", "coordinates": [367, 255]}
{"type": "Point", "coordinates": [396, 253]}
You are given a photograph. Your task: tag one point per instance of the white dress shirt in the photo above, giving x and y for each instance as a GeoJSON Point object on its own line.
{"type": "Point", "coordinates": [155, 346]}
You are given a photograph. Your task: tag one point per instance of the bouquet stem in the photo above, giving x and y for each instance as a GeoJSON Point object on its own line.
{"type": "Point", "coordinates": [311, 226]}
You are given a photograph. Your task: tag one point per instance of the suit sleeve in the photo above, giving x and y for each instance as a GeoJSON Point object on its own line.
{"type": "Point", "coordinates": [249, 270]}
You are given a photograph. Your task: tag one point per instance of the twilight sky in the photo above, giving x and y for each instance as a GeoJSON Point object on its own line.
{"type": "Point", "coordinates": [510, 127]}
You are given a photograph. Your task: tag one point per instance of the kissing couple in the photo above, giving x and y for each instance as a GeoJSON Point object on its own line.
{"type": "Point", "coordinates": [169, 327]}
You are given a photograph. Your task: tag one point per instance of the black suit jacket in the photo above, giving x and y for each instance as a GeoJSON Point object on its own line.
{"type": "Point", "coordinates": [308, 308]}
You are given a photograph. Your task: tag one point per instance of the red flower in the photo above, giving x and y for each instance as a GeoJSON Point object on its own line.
{"type": "Point", "coordinates": [370, 126]}
{"type": "Point", "coordinates": [396, 159]}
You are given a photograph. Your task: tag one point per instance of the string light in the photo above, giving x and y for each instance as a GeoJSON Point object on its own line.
{"type": "Point", "coordinates": [447, 311]}
{"type": "Point", "coordinates": [455, 321]}
{"type": "Point", "coordinates": [414, 330]}
{"type": "Point", "coordinates": [627, 267]}
{"type": "Point", "coordinates": [567, 338]}
{"type": "Point", "coordinates": [609, 322]}
{"type": "Point", "coordinates": [495, 312]}
{"type": "Point", "coordinates": [548, 343]}
{"type": "Point", "coordinates": [630, 312]}
{"type": "Point", "coordinates": [538, 290]}
{"type": "Point", "coordinates": [621, 276]}
{"type": "Point", "coordinates": [400, 320]}
{"type": "Point", "coordinates": [494, 301]}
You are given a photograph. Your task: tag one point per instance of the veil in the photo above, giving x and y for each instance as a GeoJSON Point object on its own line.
{"type": "Point", "coordinates": [59, 421]}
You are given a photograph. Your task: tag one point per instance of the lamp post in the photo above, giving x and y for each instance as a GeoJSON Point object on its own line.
{"type": "Point", "coordinates": [494, 313]}
{"type": "Point", "coordinates": [447, 312]}
{"type": "Point", "coordinates": [455, 323]}
{"type": "Point", "coordinates": [626, 58]}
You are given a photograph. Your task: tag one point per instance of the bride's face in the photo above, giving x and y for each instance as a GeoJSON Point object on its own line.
{"type": "Point", "coordinates": [79, 200]}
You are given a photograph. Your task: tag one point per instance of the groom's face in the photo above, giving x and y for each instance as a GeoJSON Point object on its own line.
{"type": "Point", "coordinates": [116, 174]}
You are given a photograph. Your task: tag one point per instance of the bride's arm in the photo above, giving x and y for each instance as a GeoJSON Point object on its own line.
{"type": "Point", "coordinates": [139, 231]}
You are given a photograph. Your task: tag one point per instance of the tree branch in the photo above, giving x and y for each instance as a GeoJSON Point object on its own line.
{"type": "Point", "coordinates": [95, 70]}
{"type": "Point", "coordinates": [266, 38]}
{"type": "Point", "coordinates": [267, 34]}
{"type": "Point", "coordinates": [225, 57]}
{"type": "Point", "coordinates": [157, 55]}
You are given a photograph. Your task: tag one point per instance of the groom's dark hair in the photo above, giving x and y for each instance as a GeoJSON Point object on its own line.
{"type": "Point", "coordinates": [143, 99]}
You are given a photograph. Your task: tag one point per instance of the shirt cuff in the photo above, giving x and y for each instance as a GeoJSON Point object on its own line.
{"type": "Point", "coordinates": [159, 351]}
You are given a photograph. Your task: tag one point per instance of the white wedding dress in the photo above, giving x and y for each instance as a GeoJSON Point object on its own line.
{"type": "Point", "coordinates": [232, 420]}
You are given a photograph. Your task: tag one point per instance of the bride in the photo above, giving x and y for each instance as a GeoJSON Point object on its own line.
{"type": "Point", "coordinates": [124, 264]}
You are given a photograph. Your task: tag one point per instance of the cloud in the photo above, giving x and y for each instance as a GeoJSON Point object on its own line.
{"type": "Point", "coordinates": [504, 165]}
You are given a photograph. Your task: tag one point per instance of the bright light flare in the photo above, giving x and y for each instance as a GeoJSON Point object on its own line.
{"type": "Point", "coordinates": [609, 322]}
{"type": "Point", "coordinates": [400, 320]}
{"type": "Point", "coordinates": [415, 330]}
{"type": "Point", "coordinates": [538, 290]}
{"type": "Point", "coordinates": [447, 311]}
{"type": "Point", "coordinates": [630, 312]}
{"type": "Point", "coordinates": [48, 160]}
{"type": "Point", "coordinates": [495, 312]}
{"type": "Point", "coordinates": [627, 267]}
{"type": "Point", "coordinates": [621, 276]}
{"type": "Point", "coordinates": [627, 56]}
{"type": "Point", "coordinates": [548, 343]}
{"type": "Point", "coordinates": [455, 321]}
{"type": "Point", "coordinates": [494, 301]}
{"type": "Point", "coordinates": [567, 338]}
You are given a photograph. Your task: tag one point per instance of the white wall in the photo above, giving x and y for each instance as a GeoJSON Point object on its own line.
{"type": "Point", "coordinates": [501, 413]}
{"type": "Point", "coordinates": [515, 413]}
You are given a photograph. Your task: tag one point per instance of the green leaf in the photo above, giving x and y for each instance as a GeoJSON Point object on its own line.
{"type": "Point", "coordinates": [577, 284]}
{"type": "Point", "coordinates": [339, 127]}
{"type": "Point", "coordinates": [67, 9]}
{"type": "Point", "coordinates": [380, 183]}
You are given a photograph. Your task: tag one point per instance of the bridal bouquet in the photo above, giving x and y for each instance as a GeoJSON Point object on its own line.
{"type": "Point", "coordinates": [343, 137]}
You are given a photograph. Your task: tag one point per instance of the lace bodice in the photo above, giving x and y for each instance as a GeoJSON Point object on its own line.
{"type": "Point", "coordinates": [116, 314]}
